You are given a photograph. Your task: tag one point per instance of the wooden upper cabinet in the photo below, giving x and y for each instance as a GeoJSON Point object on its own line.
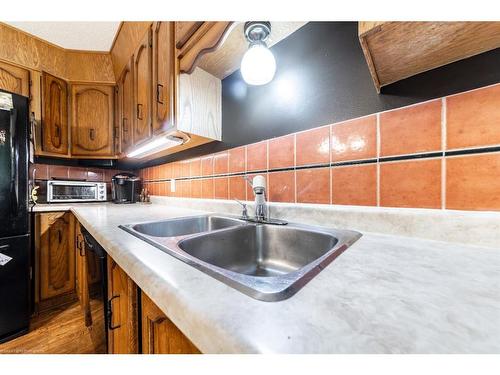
{"type": "Point", "coordinates": [159, 334]}
{"type": "Point", "coordinates": [54, 115]}
{"type": "Point", "coordinates": [92, 120]}
{"type": "Point", "coordinates": [184, 30]}
{"type": "Point", "coordinates": [142, 90]}
{"type": "Point", "coordinates": [57, 254]}
{"type": "Point", "coordinates": [122, 308]}
{"type": "Point", "coordinates": [126, 106]}
{"type": "Point", "coordinates": [206, 38]}
{"type": "Point", "coordinates": [14, 79]}
{"type": "Point", "coordinates": [397, 50]}
{"type": "Point", "coordinates": [164, 76]}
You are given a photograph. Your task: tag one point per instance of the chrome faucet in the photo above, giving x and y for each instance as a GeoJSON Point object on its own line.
{"type": "Point", "coordinates": [259, 189]}
{"type": "Point", "coordinates": [258, 186]}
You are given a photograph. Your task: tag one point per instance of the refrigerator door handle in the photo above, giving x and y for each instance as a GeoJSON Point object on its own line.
{"type": "Point", "coordinates": [14, 162]}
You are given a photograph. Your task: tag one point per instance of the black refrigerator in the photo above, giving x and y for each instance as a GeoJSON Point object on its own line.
{"type": "Point", "coordinates": [14, 217]}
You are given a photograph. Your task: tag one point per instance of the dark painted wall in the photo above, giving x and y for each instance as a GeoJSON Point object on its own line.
{"type": "Point", "coordinates": [321, 78]}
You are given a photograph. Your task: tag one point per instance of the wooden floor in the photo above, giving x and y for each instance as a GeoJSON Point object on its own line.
{"type": "Point", "coordinates": [62, 331]}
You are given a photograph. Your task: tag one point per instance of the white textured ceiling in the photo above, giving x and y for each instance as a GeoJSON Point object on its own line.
{"type": "Point", "coordinates": [92, 36]}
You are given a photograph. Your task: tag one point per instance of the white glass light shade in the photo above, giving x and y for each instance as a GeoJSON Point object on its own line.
{"type": "Point", "coordinates": [258, 65]}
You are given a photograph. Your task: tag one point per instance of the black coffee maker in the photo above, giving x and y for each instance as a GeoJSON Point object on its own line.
{"type": "Point", "coordinates": [125, 188]}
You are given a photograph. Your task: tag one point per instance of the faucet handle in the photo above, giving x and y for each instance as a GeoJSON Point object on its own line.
{"type": "Point", "coordinates": [244, 213]}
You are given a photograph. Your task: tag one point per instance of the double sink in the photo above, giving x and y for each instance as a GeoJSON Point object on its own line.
{"type": "Point", "coordinates": [267, 262]}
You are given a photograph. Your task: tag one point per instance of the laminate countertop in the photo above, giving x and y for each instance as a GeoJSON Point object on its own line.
{"type": "Point", "coordinates": [385, 294]}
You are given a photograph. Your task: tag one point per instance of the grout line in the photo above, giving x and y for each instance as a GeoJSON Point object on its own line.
{"type": "Point", "coordinates": [294, 165]}
{"type": "Point", "coordinates": [443, 159]}
{"type": "Point", "coordinates": [330, 183]}
{"type": "Point", "coordinates": [330, 175]}
{"type": "Point", "coordinates": [378, 158]}
{"type": "Point", "coordinates": [267, 155]}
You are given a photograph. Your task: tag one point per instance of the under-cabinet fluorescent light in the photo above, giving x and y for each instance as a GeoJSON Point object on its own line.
{"type": "Point", "coordinates": [155, 145]}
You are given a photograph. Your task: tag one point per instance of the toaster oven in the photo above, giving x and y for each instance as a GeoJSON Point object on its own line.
{"type": "Point", "coordinates": [75, 191]}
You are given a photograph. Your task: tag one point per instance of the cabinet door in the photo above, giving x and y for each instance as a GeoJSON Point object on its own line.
{"type": "Point", "coordinates": [116, 124]}
{"type": "Point", "coordinates": [122, 311]}
{"type": "Point", "coordinates": [142, 90]}
{"type": "Point", "coordinates": [92, 120]}
{"type": "Point", "coordinates": [14, 79]}
{"type": "Point", "coordinates": [126, 107]}
{"type": "Point", "coordinates": [163, 76]}
{"type": "Point", "coordinates": [159, 334]}
{"type": "Point", "coordinates": [54, 115]}
{"type": "Point", "coordinates": [57, 254]}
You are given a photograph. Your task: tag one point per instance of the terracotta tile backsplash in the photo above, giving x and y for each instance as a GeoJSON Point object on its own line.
{"type": "Point", "coordinates": [237, 188]}
{"type": "Point", "coordinates": [354, 139]}
{"type": "Point", "coordinates": [207, 165]}
{"type": "Point", "coordinates": [414, 183]}
{"type": "Point", "coordinates": [428, 155]}
{"type": "Point", "coordinates": [195, 167]}
{"type": "Point", "coordinates": [313, 185]}
{"type": "Point", "coordinates": [281, 152]}
{"type": "Point", "coordinates": [313, 146]}
{"type": "Point", "coordinates": [410, 130]}
{"type": "Point", "coordinates": [221, 188]}
{"type": "Point", "coordinates": [282, 186]}
{"type": "Point", "coordinates": [207, 188]}
{"type": "Point", "coordinates": [257, 156]}
{"type": "Point", "coordinates": [237, 159]}
{"type": "Point", "coordinates": [355, 185]}
{"type": "Point", "coordinates": [473, 182]}
{"type": "Point", "coordinates": [220, 163]}
{"type": "Point", "coordinates": [60, 172]}
{"type": "Point", "coordinates": [473, 118]}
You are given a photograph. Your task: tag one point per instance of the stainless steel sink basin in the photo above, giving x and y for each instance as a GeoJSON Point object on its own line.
{"type": "Point", "coordinates": [184, 226]}
{"type": "Point", "coordinates": [262, 250]}
{"type": "Point", "coordinates": [266, 262]}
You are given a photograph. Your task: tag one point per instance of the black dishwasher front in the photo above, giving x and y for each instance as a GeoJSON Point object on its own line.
{"type": "Point", "coordinates": [93, 246]}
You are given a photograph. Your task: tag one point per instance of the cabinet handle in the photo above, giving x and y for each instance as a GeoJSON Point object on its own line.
{"type": "Point", "coordinates": [79, 245]}
{"type": "Point", "coordinates": [117, 132]}
{"type": "Point", "coordinates": [58, 131]}
{"type": "Point", "coordinates": [125, 124]}
{"type": "Point", "coordinates": [139, 111]}
{"type": "Point", "coordinates": [92, 134]}
{"type": "Point", "coordinates": [159, 93]}
{"type": "Point", "coordinates": [110, 314]}
{"type": "Point", "coordinates": [59, 235]}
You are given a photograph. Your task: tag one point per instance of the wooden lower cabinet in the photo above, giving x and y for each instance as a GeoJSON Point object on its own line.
{"type": "Point", "coordinates": [122, 311]}
{"type": "Point", "coordinates": [65, 271]}
{"type": "Point", "coordinates": [56, 254]}
{"type": "Point", "coordinates": [159, 334]}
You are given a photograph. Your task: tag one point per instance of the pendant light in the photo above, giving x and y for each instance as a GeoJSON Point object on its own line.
{"type": "Point", "coordinates": [258, 64]}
